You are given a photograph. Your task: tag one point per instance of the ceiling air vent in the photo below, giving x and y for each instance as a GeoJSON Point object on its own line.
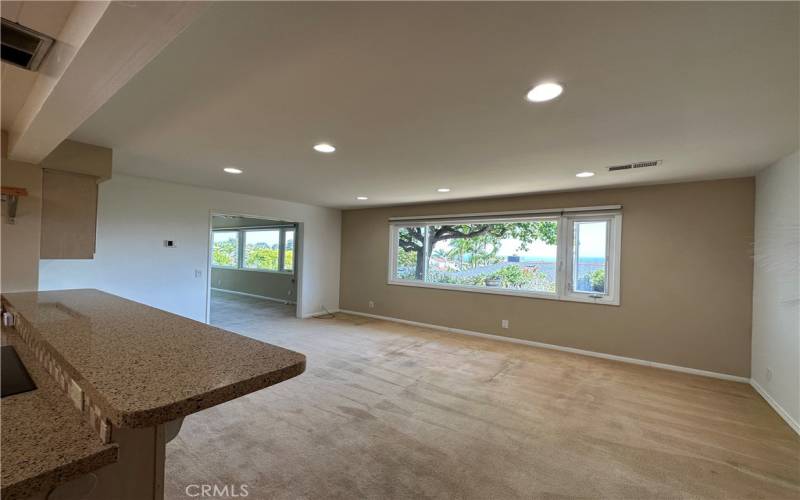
{"type": "Point", "coordinates": [641, 164]}
{"type": "Point", "coordinates": [23, 46]}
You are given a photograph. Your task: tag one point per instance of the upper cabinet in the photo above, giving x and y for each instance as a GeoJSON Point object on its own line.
{"type": "Point", "coordinates": [70, 177]}
{"type": "Point", "coordinates": [69, 215]}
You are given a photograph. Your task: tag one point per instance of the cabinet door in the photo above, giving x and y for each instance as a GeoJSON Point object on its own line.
{"type": "Point", "coordinates": [69, 215]}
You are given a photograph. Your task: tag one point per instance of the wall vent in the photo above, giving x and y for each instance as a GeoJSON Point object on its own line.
{"type": "Point", "coordinates": [641, 164]}
{"type": "Point", "coordinates": [23, 46]}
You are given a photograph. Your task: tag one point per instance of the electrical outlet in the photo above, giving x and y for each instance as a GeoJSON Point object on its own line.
{"type": "Point", "coordinates": [198, 273]}
{"type": "Point", "coordinates": [371, 304]}
{"type": "Point", "coordinates": [504, 323]}
{"type": "Point", "coordinates": [769, 374]}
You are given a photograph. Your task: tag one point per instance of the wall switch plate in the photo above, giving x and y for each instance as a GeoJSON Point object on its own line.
{"type": "Point", "coordinates": [504, 323]}
{"type": "Point", "coordinates": [371, 304]}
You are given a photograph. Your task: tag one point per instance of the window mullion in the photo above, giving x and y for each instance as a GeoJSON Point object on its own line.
{"type": "Point", "coordinates": [563, 256]}
{"type": "Point", "coordinates": [240, 250]}
{"type": "Point", "coordinates": [425, 254]}
{"type": "Point", "coordinates": [281, 248]}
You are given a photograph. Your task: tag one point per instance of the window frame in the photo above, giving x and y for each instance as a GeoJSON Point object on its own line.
{"type": "Point", "coordinates": [242, 264]}
{"type": "Point", "coordinates": [238, 248]}
{"type": "Point", "coordinates": [282, 254]}
{"type": "Point", "coordinates": [564, 241]}
{"type": "Point", "coordinates": [241, 248]}
{"type": "Point", "coordinates": [613, 251]}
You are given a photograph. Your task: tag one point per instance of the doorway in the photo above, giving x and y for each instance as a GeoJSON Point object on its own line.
{"type": "Point", "coordinates": [253, 270]}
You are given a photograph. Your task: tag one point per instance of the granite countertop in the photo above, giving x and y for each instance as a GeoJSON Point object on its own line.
{"type": "Point", "coordinates": [143, 366]}
{"type": "Point", "coordinates": [45, 439]}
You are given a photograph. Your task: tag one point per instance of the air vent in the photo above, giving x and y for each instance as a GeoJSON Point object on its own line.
{"type": "Point", "coordinates": [641, 164]}
{"type": "Point", "coordinates": [23, 46]}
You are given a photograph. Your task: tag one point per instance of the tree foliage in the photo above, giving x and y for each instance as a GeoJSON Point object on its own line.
{"type": "Point", "coordinates": [480, 241]}
{"type": "Point", "coordinates": [597, 280]}
{"type": "Point", "coordinates": [225, 253]}
{"type": "Point", "coordinates": [260, 257]}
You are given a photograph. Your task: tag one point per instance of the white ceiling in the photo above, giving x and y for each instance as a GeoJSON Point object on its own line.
{"type": "Point", "coordinates": [419, 96]}
{"type": "Point", "coordinates": [44, 17]}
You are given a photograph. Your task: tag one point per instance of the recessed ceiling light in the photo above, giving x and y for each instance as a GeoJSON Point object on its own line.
{"type": "Point", "coordinates": [362, 198]}
{"type": "Point", "coordinates": [584, 174]}
{"type": "Point", "coordinates": [324, 147]}
{"type": "Point", "coordinates": [232, 170]}
{"type": "Point", "coordinates": [544, 92]}
{"type": "Point", "coordinates": [444, 190]}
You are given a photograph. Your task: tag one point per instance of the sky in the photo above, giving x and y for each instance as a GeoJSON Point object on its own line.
{"type": "Point", "coordinates": [272, 238]}
{"type": "Point", "coordinates": [591, 235]}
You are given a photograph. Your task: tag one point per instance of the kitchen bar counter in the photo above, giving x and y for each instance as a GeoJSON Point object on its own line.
{"type": "Point", "coordinates": [133, 372]}
{"type": "Point", "coordinates": [44, 438]}
{"type": "Point", "coordinates": [143, 366]}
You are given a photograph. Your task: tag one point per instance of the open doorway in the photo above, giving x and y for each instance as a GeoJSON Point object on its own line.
{"type": "Point", "coordinates": [253, 269]}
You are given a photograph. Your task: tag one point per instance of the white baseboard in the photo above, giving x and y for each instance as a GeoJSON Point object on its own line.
{"type": "Point", "coordinates": [320, 313]}
{"type": "Point", "coordinates": [635, 361]}
{"type": "Point", "coordinates": [775, 406]}
{"type": "Point", "coordinates": [273, 299]}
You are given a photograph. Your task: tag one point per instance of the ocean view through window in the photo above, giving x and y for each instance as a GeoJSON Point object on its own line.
{"type": "Point", "coordinates": [564, 256]}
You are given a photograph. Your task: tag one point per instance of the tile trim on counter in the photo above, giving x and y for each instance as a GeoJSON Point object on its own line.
{"type": "Point", "coordinates": [71, 387]}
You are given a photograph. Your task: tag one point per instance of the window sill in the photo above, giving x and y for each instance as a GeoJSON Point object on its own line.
{"type": "Point", "coordinates": [608, 301]}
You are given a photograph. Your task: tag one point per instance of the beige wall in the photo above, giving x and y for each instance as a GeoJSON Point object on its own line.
{"type": "Point", "coordinates": [19, 242]}
{"type": "Point", "coordinates": [80, 158]}
{"type": "Point", "coordinates": [279, 286]}
{"type": "Point", "coordinates": [686, 277]}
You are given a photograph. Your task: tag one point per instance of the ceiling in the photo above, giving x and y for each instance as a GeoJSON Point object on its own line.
{"type": "Point", "coordinates": [44, 17]}
{"type": "Point", "coordinates": [417, 96]}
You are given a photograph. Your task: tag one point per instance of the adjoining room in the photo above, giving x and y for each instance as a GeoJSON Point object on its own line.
{"type": "Point", "coordinates": [253, 269]}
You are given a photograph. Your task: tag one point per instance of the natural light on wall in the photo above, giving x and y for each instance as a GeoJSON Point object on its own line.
{"type": "Point", "coordinates": [569, 256]}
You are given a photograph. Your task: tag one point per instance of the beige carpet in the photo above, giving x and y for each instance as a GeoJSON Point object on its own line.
{"type": "Point", "coordinates": [392, 411]}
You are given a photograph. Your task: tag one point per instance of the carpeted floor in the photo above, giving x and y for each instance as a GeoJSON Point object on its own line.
{"type": "Point", "coordinates": [393, 411]}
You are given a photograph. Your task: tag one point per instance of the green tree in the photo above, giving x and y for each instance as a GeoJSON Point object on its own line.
{"type": "Point", "coordinates": [288, 259]}
{"type": "Point", "coordinates": [412, 239]}
{"type": "Point", "coordinates": [597, 280]}
{"type": "Point", "coordinates": [259, 257]}
{"type": "Point", "coordinates": [225, 253]}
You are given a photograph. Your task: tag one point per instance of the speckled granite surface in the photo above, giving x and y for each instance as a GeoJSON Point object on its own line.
{"type": "Point", "coordinates": [143, 366]}
{"type": "Point", "coordinates": [44, 438]}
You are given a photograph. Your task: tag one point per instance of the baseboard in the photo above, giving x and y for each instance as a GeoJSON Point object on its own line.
{"type": "Point", "coordinates": [273, 299]}
{"type": "Point", "coordinates": [613, 357]}
{"type": "Point", "coordinates": [775, 406]}
{"type": "Point", "coordinates": [320, 313]}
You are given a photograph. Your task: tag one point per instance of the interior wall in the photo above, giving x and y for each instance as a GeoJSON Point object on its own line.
{"type": "Point", "coordinates": [19, 242]}
{"type": "Point", "coordinates": [280, 286]}
{"type": "Point", "coordinates": [776, 287]}
{"type": "Point", "coordinates": [136, 215]}
{"type": "Point", "coordinates": [686, 277]}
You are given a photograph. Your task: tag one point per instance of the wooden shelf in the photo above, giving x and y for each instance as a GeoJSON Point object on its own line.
{"type": "Point", "coordinates": [14, 191]}
{"type": "Point", "coordinates": [10, 196]}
